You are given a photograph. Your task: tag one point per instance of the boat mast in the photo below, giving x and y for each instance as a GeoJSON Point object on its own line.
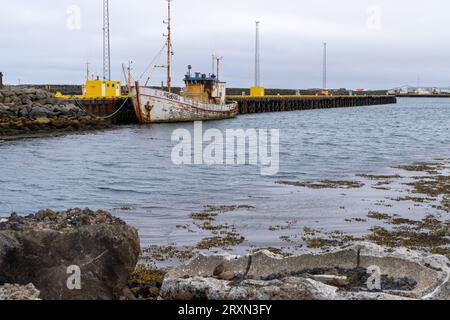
{"type": "Point", "coordinates": [169, 49]}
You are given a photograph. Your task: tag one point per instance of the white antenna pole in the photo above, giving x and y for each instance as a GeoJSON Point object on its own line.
{"type": "Point", "coordinates": [257, 58]}
{"type": "Point", "coordinates": [106, 42]}
{"type": "Point", "coordinates": [218, 59]}
{"type": "Point", "coordinates": [88, 72]}
{"type": "Point", "coordinates": [324, 84]}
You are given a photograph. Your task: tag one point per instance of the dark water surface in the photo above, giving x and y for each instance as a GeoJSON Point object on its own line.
{"type": "Point", "coordinates": [131, 167]}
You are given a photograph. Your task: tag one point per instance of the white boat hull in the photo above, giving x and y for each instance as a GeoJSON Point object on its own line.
{"type": "Point", "coordinates": [156, 106]}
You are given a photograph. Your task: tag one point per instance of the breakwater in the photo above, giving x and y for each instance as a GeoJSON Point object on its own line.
{"type": "Point", "coordinates": [35, 112]}
{"type": "Point", "coordinates": [291, 103]}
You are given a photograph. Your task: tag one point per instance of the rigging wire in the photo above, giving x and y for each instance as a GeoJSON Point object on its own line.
{"type": "Point", "coordinates": [152, 64]}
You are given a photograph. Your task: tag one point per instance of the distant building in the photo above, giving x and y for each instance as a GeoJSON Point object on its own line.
{"type": "Point", "coordinates": [402, 90]}
{"type": "Point", "coordinates": [445, 91]}
{"type": "Point", "coordinates": [422, 91]}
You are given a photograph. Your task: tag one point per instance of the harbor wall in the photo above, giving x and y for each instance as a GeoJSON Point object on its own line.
{"type": "Point", "coordinates": [292, 103]}
{"type": "Point", "coordinates": [115, 111]}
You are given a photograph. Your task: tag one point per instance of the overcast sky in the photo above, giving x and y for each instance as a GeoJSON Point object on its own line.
{"type": "Point", "coordinates": [371, 44]}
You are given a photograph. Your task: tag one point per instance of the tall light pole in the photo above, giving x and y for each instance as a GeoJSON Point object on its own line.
{"type": "Point", "coordinates": [324, 83]}
{"type": "Point", "coordinates": [257, 58]}
{"type": "Point", "coordinates": [106, 42]}
{"type": "Point", "coordinates": [88, 72]}
{"type": "Point", "coordinates": [218, 59]}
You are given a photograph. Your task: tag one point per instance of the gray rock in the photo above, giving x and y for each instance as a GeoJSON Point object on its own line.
{"type": "Point", "coordinates": [42, 248]}
{"type": "Point", "coordinates": [23, 111]}
{"type": "Point", "coordinates": [5, 114]}
{"type": "Point", "coordinates": [15, 99]}
{"type": "Point", "coordinates": [7, 93]}
{"type": "Point", "coordinates": [40, 95]}
{"type": "Point", "coordinates": [17, 292]}
{"type": "Point", "coordinates": [338, 281]}
{"type": "Point", "coordinates": [40, 104]}
{"type": "Point", "coordinates": [290, 288]}
{"type": "Point", "coordinates": [26, 100]}
{"type": "Point", "coordinates": [40, 112]}
{"type": "Point", "coordinates": [267, 276]}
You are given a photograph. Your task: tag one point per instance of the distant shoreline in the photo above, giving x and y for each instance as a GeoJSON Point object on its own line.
{"type": "Point", "coordinates": [423, 96]}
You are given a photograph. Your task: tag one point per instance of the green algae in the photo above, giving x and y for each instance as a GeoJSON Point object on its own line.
{"type": "Point", "coordinates": [430, 168]}
{"type": "Point", "coordinates": [287, 226]}
{"type": "Point", "coordinates": [230, 239]}
{"type": "Point", "coordinates": [379, 177]}
{"type": "Point", "coordinates": [145, 282]}
{"type": "Point", "coordinates": [166, 253]}
{"type": "Point", "coordinates": [325, 184]}
{"type": "Point", "coordinates": [378, 215]}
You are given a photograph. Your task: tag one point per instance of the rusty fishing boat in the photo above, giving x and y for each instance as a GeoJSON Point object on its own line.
{"type": "Point", "coordinates": [202, 99]}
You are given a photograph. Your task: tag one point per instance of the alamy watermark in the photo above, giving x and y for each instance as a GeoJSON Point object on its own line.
{"type": "Point", "coordinates": [374, 281]}
{"type": "Point", "coordinates": [256, 147]}
{"type": "Point", "coordinates": [373, 21]}
{"type": "Point", "coordinates": [73, 21]}
{"type": "Point", "coordinates": [74, 279]}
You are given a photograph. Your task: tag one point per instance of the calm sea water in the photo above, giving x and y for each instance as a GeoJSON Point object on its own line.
{"type": "Point", "coordinates": [131, 167]}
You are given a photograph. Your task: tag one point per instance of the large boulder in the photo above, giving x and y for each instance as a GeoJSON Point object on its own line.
{"type": "Point", "coordinates": [53, 250]}
{"type": "Point", "coordinates": [361, 272]}
{"type": "Point", "coordinates": [40, 112]}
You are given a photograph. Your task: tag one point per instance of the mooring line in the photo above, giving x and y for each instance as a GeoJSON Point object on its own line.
{"type": "Point", "coordinates": [106, 117]}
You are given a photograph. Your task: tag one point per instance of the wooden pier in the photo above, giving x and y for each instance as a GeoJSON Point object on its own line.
{"type": "Point", "coordinates": [249, 104]}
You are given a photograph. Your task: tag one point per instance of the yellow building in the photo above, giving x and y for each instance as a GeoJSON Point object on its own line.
{"type": "Point", "coordinates": [102, 89]}
{"type": "Point", "coordinates": [257, 91]}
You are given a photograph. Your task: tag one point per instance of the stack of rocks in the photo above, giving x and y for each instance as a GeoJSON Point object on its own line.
{"type": "Point", "coordinates": [31, 111]}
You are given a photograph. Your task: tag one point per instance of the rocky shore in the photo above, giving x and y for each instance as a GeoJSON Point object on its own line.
{"type": "Point", "coordinates": [86, 255]}
{"type": "Point", "coordinates": [35, 112]}
{"type": "Point", "coordinates": [363, 271]}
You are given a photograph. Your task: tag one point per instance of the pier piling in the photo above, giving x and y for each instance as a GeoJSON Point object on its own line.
{"type": "Point", "coordinates": [291, 103]}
